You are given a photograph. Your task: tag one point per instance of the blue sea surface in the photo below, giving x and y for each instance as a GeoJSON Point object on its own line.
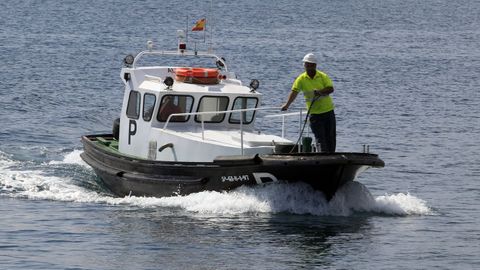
{"type": "Point", "coordinates": [407, 83]}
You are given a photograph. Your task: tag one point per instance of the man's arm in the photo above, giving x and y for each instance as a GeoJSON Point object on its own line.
{"type": "Point", "coordinates": [291, 98]}
{"type": "Point", "coordinates": [324, 92]}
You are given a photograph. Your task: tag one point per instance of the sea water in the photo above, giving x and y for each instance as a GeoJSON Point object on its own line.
{"type": "Point", "coordinates": [406, 77]}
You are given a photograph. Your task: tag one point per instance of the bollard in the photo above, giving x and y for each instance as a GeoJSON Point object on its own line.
{"type": "Point", "coordinates": [307, 144]}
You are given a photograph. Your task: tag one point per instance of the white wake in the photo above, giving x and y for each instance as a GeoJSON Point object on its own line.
{"type": "Point", "coordinates": [16, 181]}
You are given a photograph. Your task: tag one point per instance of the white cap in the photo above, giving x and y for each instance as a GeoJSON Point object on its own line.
{"type": "Point", "coordinates": [310, 58]}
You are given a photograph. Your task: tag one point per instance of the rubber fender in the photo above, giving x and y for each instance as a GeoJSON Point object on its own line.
{"type": "Point", "coordinates": [116, 128]}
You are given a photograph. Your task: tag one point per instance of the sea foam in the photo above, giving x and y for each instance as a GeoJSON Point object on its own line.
{"type": "Point", "coordinates": [297, 198]}
{"type": "Point", "coordinates": [71, 158]}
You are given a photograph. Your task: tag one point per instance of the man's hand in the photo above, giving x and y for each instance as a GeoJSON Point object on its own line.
{"type": "Point", "coordinates": [291, 98]}
{"type": "Point", "coordinates": [318, 93]}
{"type": "Point", "coordinates": [323, 92]}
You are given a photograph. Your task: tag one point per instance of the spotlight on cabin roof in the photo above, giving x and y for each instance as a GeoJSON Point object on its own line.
{"type": "Point", "coordinates": [168, 82]}
{"type": "Point", "coordinates": [254, 84]}
{"type": "Point", "coordinates": [128, 60]}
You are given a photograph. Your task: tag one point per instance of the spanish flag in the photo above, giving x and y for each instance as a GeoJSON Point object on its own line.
{"type": "Point", "coordinates": [199, 25]}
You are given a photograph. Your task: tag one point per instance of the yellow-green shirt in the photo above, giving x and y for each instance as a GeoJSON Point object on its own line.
{"type": "Point", "coordinates": [303, 83]}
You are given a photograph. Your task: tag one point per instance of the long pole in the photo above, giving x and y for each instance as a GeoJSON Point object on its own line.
{"type": "Point", "coordinates": [304, 124]}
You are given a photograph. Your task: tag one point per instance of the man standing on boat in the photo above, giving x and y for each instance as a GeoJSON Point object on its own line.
{"type": "Point", "coordinates": [316, 87]}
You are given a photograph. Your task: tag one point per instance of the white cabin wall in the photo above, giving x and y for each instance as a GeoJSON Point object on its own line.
{"type": "Point", "coordinates": [150, 133]}
{"type": "Point", "coordinates": [134, 144]}
{"type": "Point", "coordinates": [197, 150]}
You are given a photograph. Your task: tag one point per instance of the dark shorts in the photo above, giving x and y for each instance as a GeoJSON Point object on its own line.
{"type": "Point", "coordinates": [324, 128]}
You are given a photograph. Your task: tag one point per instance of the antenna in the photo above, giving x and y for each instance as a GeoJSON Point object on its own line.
{"type": "Point", "coordinates": [186, 30]}
{"type": "Point", "coordinates": [210, 47]}
{"type": "Point", "coordinates": [204, 28]}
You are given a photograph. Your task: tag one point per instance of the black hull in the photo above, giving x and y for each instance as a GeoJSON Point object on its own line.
{"type": "Point", "coordinates": [125, 175]}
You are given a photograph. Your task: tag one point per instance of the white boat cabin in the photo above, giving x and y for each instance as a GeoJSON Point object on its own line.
{"type": "Point", "coordinates": [188, 113]}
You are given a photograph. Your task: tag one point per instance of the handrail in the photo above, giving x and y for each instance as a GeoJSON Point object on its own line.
{"type": "Point", "coordinates": [185, 53]}
{"type": "Point", "coordinates": [217, 112]}
{"type": "Point", "coordinates": [283, 115]}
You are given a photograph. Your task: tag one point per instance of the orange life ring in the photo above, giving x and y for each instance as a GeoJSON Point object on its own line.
{"type": "Point", "coordinates": [197, 75]}
{"type": "Point", "coordinates": [197, 72]}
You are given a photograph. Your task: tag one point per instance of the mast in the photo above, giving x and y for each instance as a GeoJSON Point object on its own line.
{"type": "Point", "coordinates": [210, 47]}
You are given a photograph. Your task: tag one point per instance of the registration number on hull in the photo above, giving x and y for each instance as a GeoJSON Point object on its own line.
{"type": "Point", "coordinates": [235, 178]}
{"type": "Point", "coordinates": [260, 178]}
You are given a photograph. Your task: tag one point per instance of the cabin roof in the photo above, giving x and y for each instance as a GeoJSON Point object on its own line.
{"type": "Point", "coordinates": [155, 84]}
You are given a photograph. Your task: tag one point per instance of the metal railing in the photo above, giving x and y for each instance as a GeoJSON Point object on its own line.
{"type": "Point", "coordinates": [177, 53]}
{"type": "Point", "coordinates": [301, 112]}
{"type": "Point", "coordinates": [283, 115]}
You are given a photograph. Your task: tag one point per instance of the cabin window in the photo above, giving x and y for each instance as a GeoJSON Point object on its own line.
{"type": "Point", "coordinates": [148, 105]}
{"type": "Point", "coordinates": [212, 104]}
{"type": "Point", "coordinates": [171, 104]}
{"type": "Point", "coordinates": [243, 103]}
{"type": "Point", "coordinates": [133, 107]}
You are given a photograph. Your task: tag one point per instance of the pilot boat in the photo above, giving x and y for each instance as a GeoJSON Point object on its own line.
{"type": "Point", "coordinates": [187, 124]}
